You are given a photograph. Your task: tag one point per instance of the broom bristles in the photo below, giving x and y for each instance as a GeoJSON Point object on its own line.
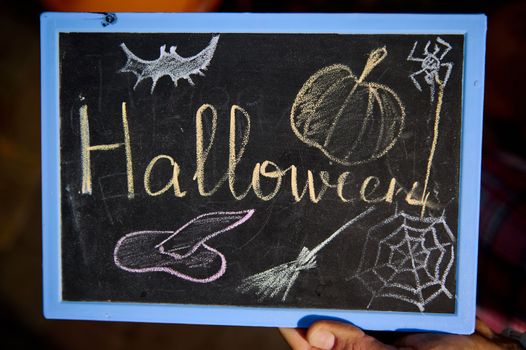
{"type": "Point", "coordinates": [279, 279]}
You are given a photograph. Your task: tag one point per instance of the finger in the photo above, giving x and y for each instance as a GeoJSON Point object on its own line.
{"type": "Point", "coordinates": [482, 328]}
{"type": "Point", "coordinates": [481, 339]}
{"type": "Point", "coordinates": [339, 336]}
{"type": "Point", "coordinates": [420, 340]}
{"type": "Point", "coordinates": [296, 338]}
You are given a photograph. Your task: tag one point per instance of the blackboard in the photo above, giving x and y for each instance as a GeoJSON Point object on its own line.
{"type": "Point", "coordinates": [261, 170]}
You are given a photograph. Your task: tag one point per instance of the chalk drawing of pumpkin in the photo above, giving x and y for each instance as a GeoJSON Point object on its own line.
{"type": "Point", "coordinates": [350, 120]}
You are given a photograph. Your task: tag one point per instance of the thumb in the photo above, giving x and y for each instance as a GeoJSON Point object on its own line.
{"type": "Point", "coordinates": [328, 335]}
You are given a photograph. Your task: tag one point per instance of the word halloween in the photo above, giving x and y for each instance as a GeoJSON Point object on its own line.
{"type": "Point", "coordinates": [371, 189]}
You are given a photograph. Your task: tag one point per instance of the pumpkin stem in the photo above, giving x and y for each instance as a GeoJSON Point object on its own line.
{"type": "Point", "coordinates": [375, 57]}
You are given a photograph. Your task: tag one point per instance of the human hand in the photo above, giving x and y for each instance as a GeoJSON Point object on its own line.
{"type": "Point", "coordinates": [327, 335]}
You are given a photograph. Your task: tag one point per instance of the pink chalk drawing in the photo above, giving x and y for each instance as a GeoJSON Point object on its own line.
{"type": "Point", "coordinates": [183, 253]}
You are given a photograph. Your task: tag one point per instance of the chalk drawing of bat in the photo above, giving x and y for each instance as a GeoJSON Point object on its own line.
{"type": "Point", "coordinates": [183, 253]}
{"type": "Point", "coordinates": [169, 63]}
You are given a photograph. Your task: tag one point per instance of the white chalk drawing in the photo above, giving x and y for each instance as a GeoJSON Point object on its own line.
{"type": "Point", "coordinates": [278, 281]}
{"type": "Point", "coordinates": [350, 120]}
{"type": "Point", "coordinates": [431, 64]}
{"type": "Point", "coordinates": [169, 63]}
{"type": "Point", "coordinates": [407, 258]}
{"type": "Point", "coordinates": [184, 253]}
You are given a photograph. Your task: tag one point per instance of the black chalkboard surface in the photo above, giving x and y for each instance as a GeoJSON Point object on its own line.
{"type": "Point", "coordinates": [269, 170]}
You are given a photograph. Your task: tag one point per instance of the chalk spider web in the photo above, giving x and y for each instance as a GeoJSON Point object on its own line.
{"type": "Point", "coordinates": [407, 258]}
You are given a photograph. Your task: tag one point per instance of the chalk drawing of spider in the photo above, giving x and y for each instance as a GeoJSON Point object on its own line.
{"type": "Point", "coordinates": [431, 64]}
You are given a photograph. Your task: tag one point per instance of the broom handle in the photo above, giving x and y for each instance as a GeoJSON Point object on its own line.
{"type": "Point", "coordinates": [320, 246]}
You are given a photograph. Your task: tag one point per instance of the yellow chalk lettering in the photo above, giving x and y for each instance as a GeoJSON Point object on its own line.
{"type": "Point", "coordinates": [340, 183]}
{"type": "Point", "coordinates": [201, 152]}
{"type": "Point", "coordinates": [364, 195]}
{"type": "Point", "coordinates": [390, 191]}
{"type": "Point", "coordinates": [410, 197]}
{"type": "Point", "coordinates": [261, 169]}
{"type": "Point", "coordinates": [309, 185]}
{"type": "Point", "coordinates": [86, 148]}
{"type": "Point", "coordinates": [294, 183]}
{"type": "Point", "coordinates": [234, 155]}
{"type": "Point", "coordinates": [312, 191]}
{"type": "Point", "coordinates": [174, 182]}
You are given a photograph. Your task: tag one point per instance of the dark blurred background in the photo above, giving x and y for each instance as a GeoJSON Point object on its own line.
{"type": "Point", "coordinates": [502, 251]}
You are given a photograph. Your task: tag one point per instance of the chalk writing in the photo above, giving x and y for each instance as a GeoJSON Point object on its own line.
{"type": "Point", "coordinates": [86, 148]}
{"type": "Point", "coordinates": [313, 189]}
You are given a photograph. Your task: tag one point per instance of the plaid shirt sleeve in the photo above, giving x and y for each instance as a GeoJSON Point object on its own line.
{"type": "Point", "coordinates": [502, 245]}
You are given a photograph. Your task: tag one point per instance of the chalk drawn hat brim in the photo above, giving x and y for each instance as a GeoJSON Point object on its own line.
{"type": "Point", "coordinates": [182, 253]}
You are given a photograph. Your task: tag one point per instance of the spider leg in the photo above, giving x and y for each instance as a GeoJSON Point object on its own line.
{"type": "Point", "coordinates": [426, 49]}
{"type": "Point", "coordinates": [449, 67]}
{"type": "Point", "coordinates": [430, 79]}
{"type": "Point", "coordinates": [411, 57]}
{"type": "Point", "coordinates": [446, 44]}
{"type": "Point", "coordinates": [435, 49]}
{"type": "Point", "coordinates": [415, 82]}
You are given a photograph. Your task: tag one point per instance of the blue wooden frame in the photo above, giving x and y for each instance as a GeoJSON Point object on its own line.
{"type": "Point", "coordinates": [474, 29]}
